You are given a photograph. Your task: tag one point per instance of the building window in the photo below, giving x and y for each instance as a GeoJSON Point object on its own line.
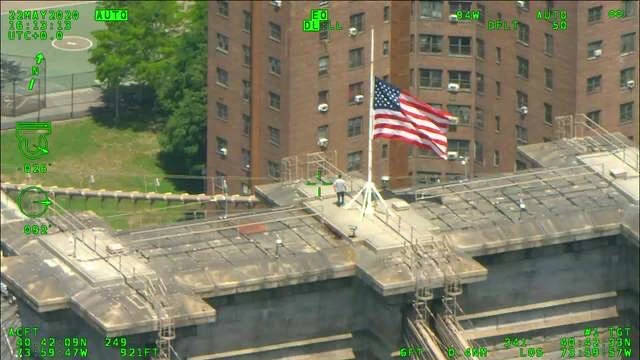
{"type": "Point", "coordinates": [522, 99]}
{"type": "Point", "coordinates": [354, 90]}
{"type": "Point", "coordinates": [246, 159]}
{"type": "Point", "coordinates": [246, 55]}
{"type": "Point", "coordinates": [357, 21]}
{"type": "Point", "coordinates": [387, 13]}
{"type": "Point", "coordinates": [497, 123]}
{"type": "Point", "coordinates": [431, 9]}
{"type": "Point", "coordinates": [353, 161]}
{"type": "Point", "coordinates": [275, 32]}
{"type": "Point", "coordinates": [355, 58]}
{"type": "Point", "coordinates": [593, 84]}
{"type": "Point", "coordinates": [459, 146]}
{"type": "Point", "coordinates": [594, 116]}
{"type": "Point", "coordinates": [480, 48]}
{"type": "Point", "coordinates": [412, 40]}
{"type": "Point", "coordinates": [323, 65]}
{"type": "Point", "coordinates": [274, 101]}
{"type": "Point", "coordinates": [354, 126]}
{"type": "Point", "coordinates": [324, 30]}
{"type": "Point", "coordinates": [461, 112]}
{"type": "Point", "coordinates": [548, 44]}
{"type": "Point", "coordinates": [496, 158]}
{"type": "Point", "coordinates": [221, 143]}
{"type": "Point", "coordinates": [223, 43]}
{"type": "Point", "coordinates": [274, 169]}
{"type": "Point", "coordinates": [479, 121]}
{"type": "Point", "coordinates": [629, 7]}
{"type": "Point", "coordinates": [246, 90]}
{"type": "Point", "coordinates": [498, 88]}
{"type": "Point", "coordinates": [222, 111]}
{"type": "Point", "coordinates": [595, 14]}
{"type": "Point", "coordinates": [523, 33]}
{"type": "Point", "coordinates": [323, 97]}
{"type": "Point", "coordinates": [480, 83]}
{"type": "Point", "coordinates": [385, 47]}
{"type": "Point", "coordinates": [246, 24]}
{"type": "Point", "coordinates": [246, 125]}
{"type": "Point", "coordinates": [522, 135]}
{"type": "Point", "coordinates": [627, 75]}
{"type": "Point", "coordinates": [592, 47]}
{"type": "Point", "coordinates": [412, 81]}
{"type": "Point", "coordinates": [385, 151]}
{"type": "Point", "coordinates": [323, 132]}
{"type": "Point", "coordinates": [548, 113]}
{"type": "Point", "coordinates": [385, 78]}
{"type": "Point", "coordinates": [454, 6]}
{"type": "Point", "coordinates": [223, 8]}
{"type": "Point", "coordinates": [628, 42]}
{"type": "Point", "coordinates": [481, 10]}
{"type": "Point", "coordinates": [274, 136]}
{"type": "Point", "coordinates": [430, 43]}
{"type": "Point", "coordinates": [548, 78]}
{"type": "Point", "coordinates": [274, 66]}
{"type": "Point", "coordinates": [430, 78]}
{"type": "Point", "coordinates": [462, 78]}
{"type": "Point", "coordinates": [498, 55]}
{"type": "Point", "coordinates": [459, 45]}
{"type": "Point", "coordinates": [523, 67]}
{"type": "Point", "coordinates": [223, 77]}
{"type": "Point", "coordinates": [219, 180]}
{"type": "Point", "coordinates": [626, 112]}
{"type": "Point", "coordinates": [436, 106]}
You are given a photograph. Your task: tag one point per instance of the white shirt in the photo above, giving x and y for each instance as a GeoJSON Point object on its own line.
{"type": "Point", "coordinates": [340, 185]}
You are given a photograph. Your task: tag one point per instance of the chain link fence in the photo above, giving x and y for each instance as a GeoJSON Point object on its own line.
{"type": "Point", "coordinates": [28, 92]}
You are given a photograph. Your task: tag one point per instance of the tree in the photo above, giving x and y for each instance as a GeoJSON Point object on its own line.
{"type": "Point", "coordinates": [184, 98]}
{"type": "Point", "coordinates": [140, 49]}
{"type": "Point", "coordinates": [11, 72]}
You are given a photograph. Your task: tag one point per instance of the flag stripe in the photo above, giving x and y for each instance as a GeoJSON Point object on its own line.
{"type": "Point", "coordinates": [420, 113]}
{"type": "Point", "coordinates": [403, 125]}
{"type": "Point", "coordinates": [439, 114]}
{"type": "Point", "coordinates": [415, 119]}
{"type": "Point", "coordinates": [417, 141]}
{"type": "Point", "coordinates": [403, 130]}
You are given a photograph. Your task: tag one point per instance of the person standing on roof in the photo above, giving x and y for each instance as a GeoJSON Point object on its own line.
{"type": "Point", "coordinates": [340, 186]}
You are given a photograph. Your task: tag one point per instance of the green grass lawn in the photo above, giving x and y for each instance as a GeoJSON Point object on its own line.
{"type": "Point", "coordinates": [118, 160]}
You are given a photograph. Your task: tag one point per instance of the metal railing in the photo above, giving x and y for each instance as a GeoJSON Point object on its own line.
{"type": "Point", "coordinates": [619, 147]}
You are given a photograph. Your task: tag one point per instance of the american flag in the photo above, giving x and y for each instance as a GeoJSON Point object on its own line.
{"type": "Point", "coordinates": [400, 116]}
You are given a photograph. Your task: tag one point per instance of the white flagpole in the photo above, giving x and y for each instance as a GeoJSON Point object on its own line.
{"type": "Point", "coordinates": [369, 189]}
{"type": "Point", "coordinates": [371, 93]}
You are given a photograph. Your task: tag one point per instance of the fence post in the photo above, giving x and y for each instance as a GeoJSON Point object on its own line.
{"type": "Point", "coordinates": [13, 100]}
{"type": "Point", "coordinates": [72, 85]}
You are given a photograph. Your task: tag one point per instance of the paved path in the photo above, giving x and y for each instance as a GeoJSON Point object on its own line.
{"type": "Point", "coordinates": [59, 107]}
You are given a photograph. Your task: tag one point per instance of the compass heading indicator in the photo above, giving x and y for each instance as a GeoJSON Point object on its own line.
{"type": "Point", "coordinates": [33, 201]}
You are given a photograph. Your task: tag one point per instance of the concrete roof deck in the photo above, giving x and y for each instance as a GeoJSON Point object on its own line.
{"type": "Point", "coordinates": [193, 260]}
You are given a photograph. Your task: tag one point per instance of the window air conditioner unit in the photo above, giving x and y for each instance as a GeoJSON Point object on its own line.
{"type": "Point", "coordinates": [358, 98]}
{"type": "Point", "coordinates": [597, 52]}
{"type": "Point", "coordinates": [323, 107]}
{"type": "Point", "coordinates": [452, 155]}
{"type": "Point", "coordinates": [453, 87]}
{"type": "Point", "coordinates": [353, 31]}
{"type": "Point", "coordinates": [276, 4]}
{"type": "Point", "coordinates": [520, 4]}
{"type": "Point", "coordinates": [323, 142]}
{"type": "Point", "coordinates": [224, 151]}
{"type": "Point", "coordinates": [631, 84]}
{"type": "Point", "coordinates": [524, 110]}
{"type": "Point", "coordinates": [453, 18]}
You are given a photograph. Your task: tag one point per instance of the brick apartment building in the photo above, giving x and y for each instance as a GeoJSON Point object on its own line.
{"type": "Point", "coordinates": [267, 79]}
